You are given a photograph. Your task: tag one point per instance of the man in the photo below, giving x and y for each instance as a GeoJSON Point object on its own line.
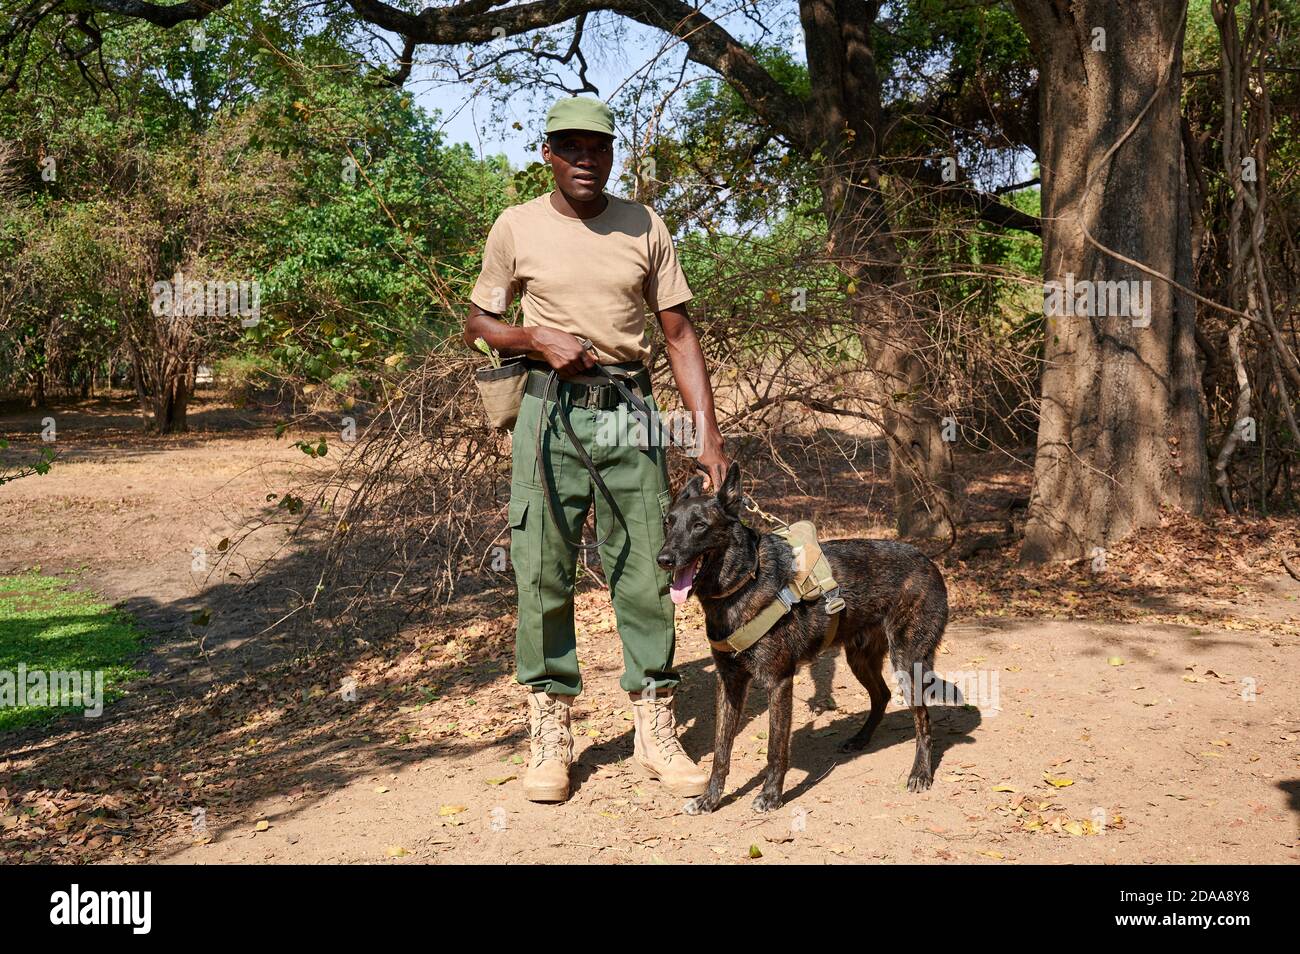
{"type": "Point", "coordinates": [588, 265]}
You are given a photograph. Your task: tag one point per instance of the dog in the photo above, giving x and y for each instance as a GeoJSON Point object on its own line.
{"type": "Point", "coordinates": [895, 600]}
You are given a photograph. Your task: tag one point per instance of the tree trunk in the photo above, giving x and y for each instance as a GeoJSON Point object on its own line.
{"type": "Point", "coordinates": [845, 123]}
{"type": "Point", "coordinates": [927, 500]}
{"type": "Point", "coordinates": [142, 395]}
{"type": "Point", "coordinates": [1121, 430]}
{"type": "Point", "coordinates": [926, 493]}
{"type": "Point", "coordinates": [171, 405]}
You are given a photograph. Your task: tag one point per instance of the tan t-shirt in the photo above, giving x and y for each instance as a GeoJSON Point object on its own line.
{"type": "Point", "coordinates": [593, 278]}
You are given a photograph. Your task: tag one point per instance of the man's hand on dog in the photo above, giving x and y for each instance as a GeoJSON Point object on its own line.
{"type": "Point", "coordinates": [713, 462]}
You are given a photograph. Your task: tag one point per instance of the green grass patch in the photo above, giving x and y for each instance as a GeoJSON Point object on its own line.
{"type": "Point", "coordinates": [49, 628]}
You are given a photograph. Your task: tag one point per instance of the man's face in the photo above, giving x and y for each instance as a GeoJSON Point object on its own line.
{"type": "Point", "coordinates": [581, 162]}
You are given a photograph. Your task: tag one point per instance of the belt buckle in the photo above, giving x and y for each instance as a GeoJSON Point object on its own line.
{"type": "Point", "coordinates": [834, 602]}
{"type": "Point", "coordinates": [595, 397]}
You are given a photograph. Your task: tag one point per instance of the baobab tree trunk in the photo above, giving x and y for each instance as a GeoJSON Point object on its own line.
{"type": "Point", "coordinates": [1121, 431]}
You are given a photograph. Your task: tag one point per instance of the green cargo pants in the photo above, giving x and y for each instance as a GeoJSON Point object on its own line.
{"type": "Point", "coordinates": [545, 564]}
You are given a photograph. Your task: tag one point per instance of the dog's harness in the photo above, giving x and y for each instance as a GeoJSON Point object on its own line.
{"type": "Point", "coordinates": [812, 580]}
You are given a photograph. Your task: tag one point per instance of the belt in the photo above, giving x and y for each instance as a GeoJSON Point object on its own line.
{"type": "Point", "coordinates": [592, 391]}
{"type": "Point", "coordinates": [616, 381]}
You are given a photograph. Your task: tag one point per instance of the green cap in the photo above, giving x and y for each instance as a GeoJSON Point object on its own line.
{"type": "Point", "coordinates": [580, 112]}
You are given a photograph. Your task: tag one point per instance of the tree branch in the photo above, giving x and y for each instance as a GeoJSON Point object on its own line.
{"type": "Point", "coordinates": [481, 21]}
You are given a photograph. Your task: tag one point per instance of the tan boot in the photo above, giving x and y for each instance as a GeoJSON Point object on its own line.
{"type": "Point", "coordinates": [657, 749]}
{"type": "Point", "coordinates": [547, 778]}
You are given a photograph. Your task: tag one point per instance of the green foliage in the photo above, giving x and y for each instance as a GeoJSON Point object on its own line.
{"type": "Point", "coordinates": [367, 252]}
{"type": "Point", "coordinates": [336, 194]}
{"type": "Point", "coordinates": [312, 449]}
{"type": "Point", "coordinates": [534, 180]}
{"type": "Point", "coordinates": [40, 466]}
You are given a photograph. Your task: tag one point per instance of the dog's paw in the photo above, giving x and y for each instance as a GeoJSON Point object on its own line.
{"type": "Point", "coordinates": [764, 802]}
{"type": "Point", "coordinates": [854, 744]}
{"type": "Point", "coordinates": [919, 781]}
{"type": "Point", "coordinates": [700, 805]}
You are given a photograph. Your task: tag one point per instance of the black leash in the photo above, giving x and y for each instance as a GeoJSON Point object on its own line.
{"type": "Point", "coordinates": [617, 378]}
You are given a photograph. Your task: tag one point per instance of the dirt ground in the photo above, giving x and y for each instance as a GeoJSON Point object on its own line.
{"type": "Point", "coordinates": [1141, 714]}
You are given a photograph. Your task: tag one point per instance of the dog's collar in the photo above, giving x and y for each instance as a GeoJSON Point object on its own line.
{"type": "Point", "coordinates": [753, 572]}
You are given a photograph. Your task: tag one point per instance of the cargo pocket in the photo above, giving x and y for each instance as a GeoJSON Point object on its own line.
{"type": "Point", "coordinates": [521, 547]}
{"type": "Point", "coordinates": [657, 540]}
{"type": "Point", "coordinates": [518, 513]}
{"type": "Point", "coordinates": [523, 446]}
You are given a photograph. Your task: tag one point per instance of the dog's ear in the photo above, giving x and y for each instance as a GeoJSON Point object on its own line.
{"type": "Point", "coordinates": [694, 487]}
{"type": "Point", "coordinates": [729, 495]}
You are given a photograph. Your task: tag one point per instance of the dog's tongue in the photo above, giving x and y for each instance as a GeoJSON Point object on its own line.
{"type": "Point", "coordinates": [682, 580]}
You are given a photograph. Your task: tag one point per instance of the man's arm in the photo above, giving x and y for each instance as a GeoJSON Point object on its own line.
{"type": "Point", "coordinates": [560, 349]}
{"type": "Point", "coordinates": [692, 377]}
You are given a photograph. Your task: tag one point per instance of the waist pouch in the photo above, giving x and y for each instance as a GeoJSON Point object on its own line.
{"type": "Point", "coordinates": [502, 391]}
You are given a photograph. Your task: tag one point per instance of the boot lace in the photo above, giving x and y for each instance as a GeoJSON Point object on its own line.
{"type": "Point", "coordinates": [549, 736]}
{"type": "Point", "coordinates": [663, 731]}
